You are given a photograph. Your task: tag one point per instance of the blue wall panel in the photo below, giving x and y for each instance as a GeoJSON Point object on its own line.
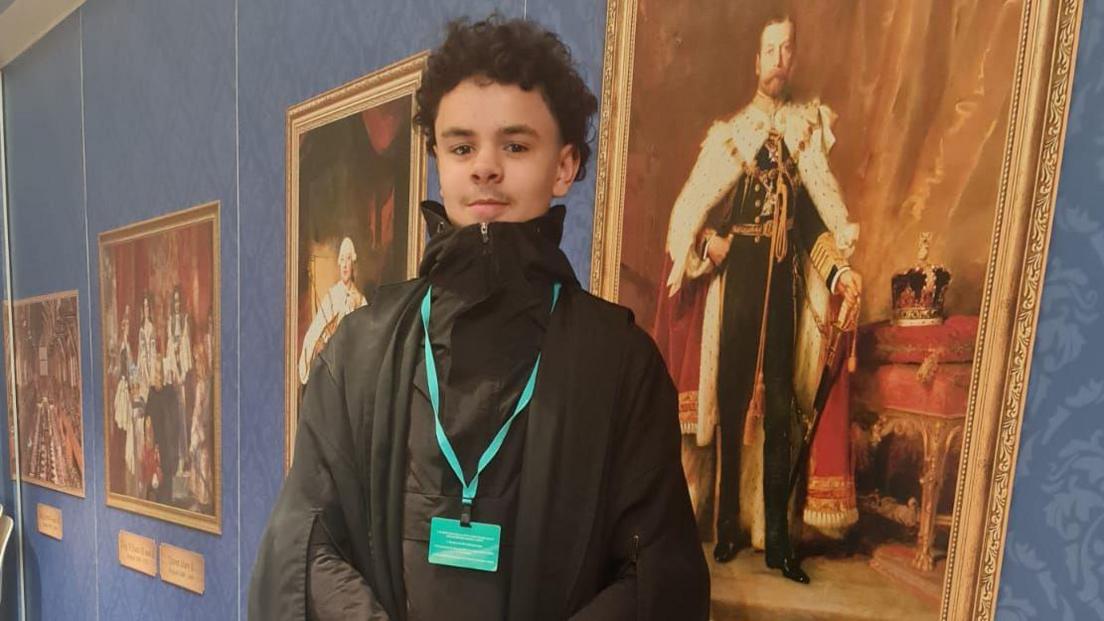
{"type": "Point", "coordinates": [9, 571]}
{"type": "Point", "coordinates": [159, 99]}
{"type": "Point", "coordinates": [49, 254]}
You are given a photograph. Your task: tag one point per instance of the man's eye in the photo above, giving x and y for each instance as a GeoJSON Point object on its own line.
{"type": "Point", "coordinates": [461, 149]}
{"type": "Point", "coordinates": [514, 147]}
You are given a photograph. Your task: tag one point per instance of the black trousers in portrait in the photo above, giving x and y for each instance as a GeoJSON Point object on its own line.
{"type": "Point", "coordinates": [745, 271]}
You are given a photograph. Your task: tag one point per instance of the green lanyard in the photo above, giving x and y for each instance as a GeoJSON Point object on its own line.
{"type": "Point", "coordinates": [470, 488]}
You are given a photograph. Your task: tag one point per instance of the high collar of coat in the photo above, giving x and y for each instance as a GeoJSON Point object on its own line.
{"type": "Point", "coordinates": [506, 253]}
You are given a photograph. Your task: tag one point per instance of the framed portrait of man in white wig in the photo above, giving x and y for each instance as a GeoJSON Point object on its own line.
{"type": "Point", "coordinates": [355, 177]}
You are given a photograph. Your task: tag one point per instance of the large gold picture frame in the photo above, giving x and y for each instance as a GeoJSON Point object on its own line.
{"type": "Point", "coordinates": [364, 136]}
{"type": "Point", "coordinates": [160, 279]}
{"type": "Point", "coordinates": [1012, 261]}
{"type": "Point", "coordinates": [45, 391]}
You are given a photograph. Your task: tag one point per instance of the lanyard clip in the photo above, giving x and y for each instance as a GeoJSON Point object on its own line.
{"type": "Point", "coordinates": [465, 513]}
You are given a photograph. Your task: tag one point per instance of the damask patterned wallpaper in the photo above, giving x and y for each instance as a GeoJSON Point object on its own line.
{"type": "Point", "coordinates": [154, 105]}
{"type": "Point", "coordinates": [1054, 556]}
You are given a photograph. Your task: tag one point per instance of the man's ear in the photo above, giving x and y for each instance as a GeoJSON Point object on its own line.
{"type": "Point", "coordinates": [567, 167]}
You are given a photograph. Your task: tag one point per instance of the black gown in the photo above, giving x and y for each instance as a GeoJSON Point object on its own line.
{"type": "Point", "coordinates": [745, 270]}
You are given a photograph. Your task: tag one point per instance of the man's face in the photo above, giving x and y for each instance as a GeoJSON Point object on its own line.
{"type": "Point", "coordinates": [499, 153]}
{"type": "Point", "coordinates": [774, 61]}
{"type": "Point", "coordinates": [345, 265]}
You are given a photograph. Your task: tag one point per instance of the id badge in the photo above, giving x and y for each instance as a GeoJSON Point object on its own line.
{"type": "Point", "coordinates": [467, 547]}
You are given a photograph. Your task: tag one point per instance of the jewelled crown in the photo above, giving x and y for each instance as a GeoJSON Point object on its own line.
{"type": "Point", "coordinates": [918, 291]}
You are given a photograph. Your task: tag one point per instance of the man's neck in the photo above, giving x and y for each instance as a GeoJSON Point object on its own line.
{"type": "Point", "coordinates": [767, 103]}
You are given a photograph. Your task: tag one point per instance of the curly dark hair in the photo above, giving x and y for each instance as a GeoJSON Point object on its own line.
{"type": "Point", "coordinates": [516, 52]}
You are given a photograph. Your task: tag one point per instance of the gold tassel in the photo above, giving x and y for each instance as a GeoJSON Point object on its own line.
{"type": "Point", "coordinates": [852, 359]}
{"type": "Point", "coordinates": [755, 409]}
{"type": "Point", "coordinates": [777, 253]}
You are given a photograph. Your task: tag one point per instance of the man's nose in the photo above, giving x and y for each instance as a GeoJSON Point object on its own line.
{"type": "Point", "coordinates": [487, 166]}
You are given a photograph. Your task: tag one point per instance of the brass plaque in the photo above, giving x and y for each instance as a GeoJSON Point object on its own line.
{"type": "Point", "coordinates": [182, 568]}
{"type": "Point", "coordinates": [49, 521]}
{"type": "Point", "coordinates": [138, 553]}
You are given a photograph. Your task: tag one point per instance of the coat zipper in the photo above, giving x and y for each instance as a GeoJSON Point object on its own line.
{"type": "Point", "coordinates": [489, 269]}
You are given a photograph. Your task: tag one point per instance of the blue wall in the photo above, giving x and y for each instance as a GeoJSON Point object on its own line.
{"type": "Point", "coordinates": [49, 253]}
{"type": "Point", "coordinates": [160, 135]}
{"type": "Point", "coordinates": [130, 109]}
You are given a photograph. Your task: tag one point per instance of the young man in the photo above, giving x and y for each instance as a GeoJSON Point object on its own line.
{"type": "Point", "coordinates": [488, 441]}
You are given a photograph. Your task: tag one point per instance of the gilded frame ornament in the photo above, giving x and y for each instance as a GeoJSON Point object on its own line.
{"type": "Point", "coordinates": [203, 215]}
{"type": "Point", "coordinates": [393, 82]}
{"type": "Point", "coordinates": [1045, 57]}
